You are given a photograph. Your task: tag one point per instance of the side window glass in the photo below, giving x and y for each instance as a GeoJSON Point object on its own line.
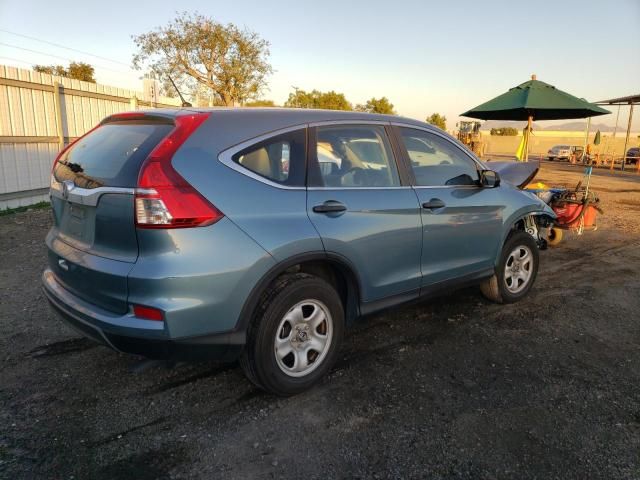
{"type": "Point", "coordinates": [280, 159]}
{"type": "Point", "coordinates": [353, 156]}
{"type": "Point", "coordinates": [436, 161]}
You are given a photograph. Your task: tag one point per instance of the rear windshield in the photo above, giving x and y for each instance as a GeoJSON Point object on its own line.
{"type": "Point", "coordinates": [111, 155]}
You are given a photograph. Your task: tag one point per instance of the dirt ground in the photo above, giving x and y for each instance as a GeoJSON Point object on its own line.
{"type": "Point", "coordinates": [454, 387]}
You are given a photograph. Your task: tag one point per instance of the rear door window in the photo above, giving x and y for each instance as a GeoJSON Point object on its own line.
{"type": "Point", "coordinates": [353, 156]}
{"type": "Point", "coordinates": [111, 155]}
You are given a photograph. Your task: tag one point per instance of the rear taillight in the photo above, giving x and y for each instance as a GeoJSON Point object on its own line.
{"type": "Point", "coordinates": [163, 198]}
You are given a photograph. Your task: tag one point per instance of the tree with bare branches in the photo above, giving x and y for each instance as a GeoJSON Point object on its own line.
{"type": "Point", "coordinates": [197, 50]}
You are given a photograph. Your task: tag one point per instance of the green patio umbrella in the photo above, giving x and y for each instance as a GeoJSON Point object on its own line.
{"type": "Point", "coordinates": [535, 100]}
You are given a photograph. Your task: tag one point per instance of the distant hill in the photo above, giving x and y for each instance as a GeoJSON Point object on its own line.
{"type": "Point", "coordinates": [573, 126]}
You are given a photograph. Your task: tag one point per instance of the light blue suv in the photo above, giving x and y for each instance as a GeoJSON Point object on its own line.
{"type": "Point", "coordinates": [259, 234]}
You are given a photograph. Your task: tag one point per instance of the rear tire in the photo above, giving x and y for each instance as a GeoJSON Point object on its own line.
{"type": "Point", "coordinates": [516, 270]}
{"type": "Point", "coordinates": [295, 334]}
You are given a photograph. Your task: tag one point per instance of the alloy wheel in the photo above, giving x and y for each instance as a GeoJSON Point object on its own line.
{"type": "Point", "coordinates": [303, 338]}
{"type": "Point", "coordinates": [518, 269]}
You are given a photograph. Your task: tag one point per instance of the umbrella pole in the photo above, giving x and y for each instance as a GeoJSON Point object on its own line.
{"type": "Point", "coordinates": [586, 140]}
{"type": "Point", "coordinates": [526, 145]}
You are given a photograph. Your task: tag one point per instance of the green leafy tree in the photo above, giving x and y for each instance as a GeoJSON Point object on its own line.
{"type": "Point", "coordinates": [81, 71]}
{"type": "Point", "coordinates": [57, 70]}
{"type": "Point", "coordinates": [260, 103]}
{"type": "Point", "coordinates": [76, 70]}
{"type": "Point", "coordinates": [230, 62]}
{"type": "Point", "coordinates": [316, 99]}
{"type": "Point", "coordinates": [377, 105]}
{"type": "Point", "coordinates": [438, 120]}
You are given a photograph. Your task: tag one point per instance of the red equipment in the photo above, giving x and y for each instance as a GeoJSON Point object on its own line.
{"type": "Point", "coordinates": [571, 215]}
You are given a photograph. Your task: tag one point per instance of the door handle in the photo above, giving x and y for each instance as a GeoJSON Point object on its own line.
{"type": "Point", "coordinates": [433, 204]}
{"type": "Point", "coordinates": [330, 206]}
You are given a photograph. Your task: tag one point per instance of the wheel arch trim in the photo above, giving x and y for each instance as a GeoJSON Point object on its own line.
{"type": "Point", "coordinates": [275, 271]}
{"type": "Point", "coordinates": [516, 217]}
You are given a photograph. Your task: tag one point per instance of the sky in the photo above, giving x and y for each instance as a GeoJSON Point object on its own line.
{"type": "Point", "coordinates": [425, 56]}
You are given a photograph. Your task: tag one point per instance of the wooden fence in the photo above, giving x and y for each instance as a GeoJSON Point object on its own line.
{"type": "Point", "coordinates": [39, 114]}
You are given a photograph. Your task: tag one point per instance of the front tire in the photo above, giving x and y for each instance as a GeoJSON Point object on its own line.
{"type": "Point", "coordinates": [294, 337]}
{"type": "Point", "coordinates": [516, 270]}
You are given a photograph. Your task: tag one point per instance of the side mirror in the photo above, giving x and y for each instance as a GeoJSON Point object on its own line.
{"type": "Point", "coordinates": [489, 179]}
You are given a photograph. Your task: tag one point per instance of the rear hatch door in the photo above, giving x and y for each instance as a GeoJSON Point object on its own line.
{"type": "Point", "coordinates": [93, 242]}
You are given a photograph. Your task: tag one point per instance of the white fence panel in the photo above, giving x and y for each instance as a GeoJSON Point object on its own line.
{"type": "Point", "coordinates": [30, 136]}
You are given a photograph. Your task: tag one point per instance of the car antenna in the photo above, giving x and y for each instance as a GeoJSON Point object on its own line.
{"type": "Point", "coordinates": [184, 102]}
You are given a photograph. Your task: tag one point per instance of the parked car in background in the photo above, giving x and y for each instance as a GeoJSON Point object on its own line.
{"type": "Point", "coordinates": [564, 152]}
{"type": "Point", "coordinates": [260, 234]}
{"type": "Point", "coordinates": [633, 154]}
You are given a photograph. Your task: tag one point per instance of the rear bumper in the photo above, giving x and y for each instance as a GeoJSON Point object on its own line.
{"type": "Point", "coordinates": [136, 336]}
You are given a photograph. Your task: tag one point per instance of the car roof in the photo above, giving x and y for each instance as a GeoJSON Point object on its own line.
{"type": "Point", "coordinates": [230, 126]}
{"type": "Point", "coordinates": [293, 116]}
